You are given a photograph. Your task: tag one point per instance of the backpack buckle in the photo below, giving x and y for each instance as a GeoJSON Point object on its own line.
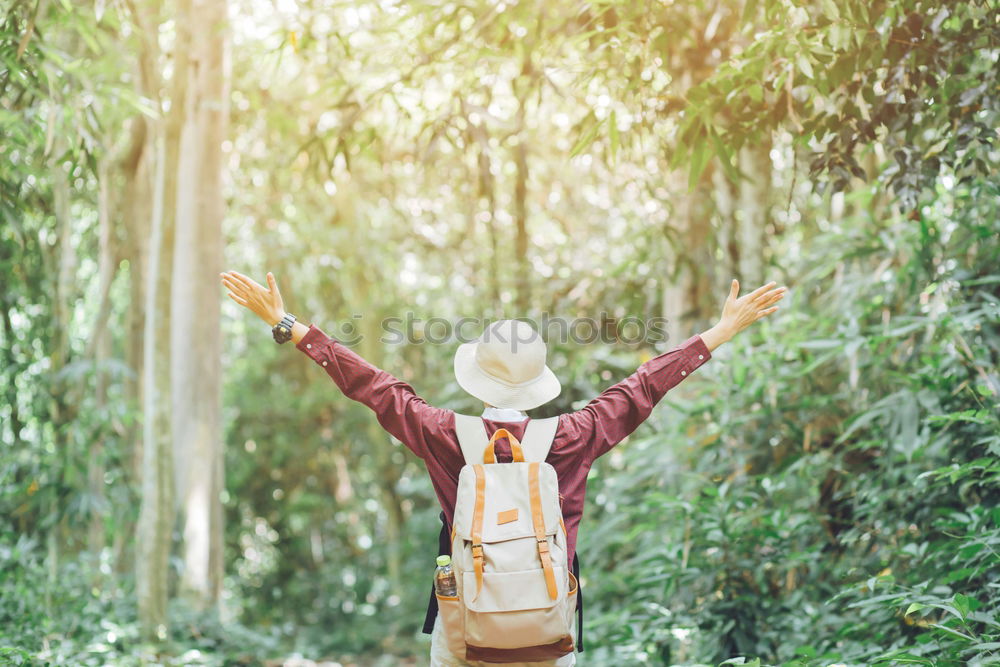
{"type": "Point", "coordinates": [477, 546]}
{"type": "Point", "coordinates": [543, 545]}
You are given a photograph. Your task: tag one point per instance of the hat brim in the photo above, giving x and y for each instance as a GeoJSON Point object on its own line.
{"type": "Point", "coordinates": [472, 379]}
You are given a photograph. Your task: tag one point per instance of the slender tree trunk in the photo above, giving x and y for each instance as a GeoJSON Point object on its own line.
{"type": "Point", "coordinates": [677, 277]}
{"type": "Point", "coordinates": [138, 168]}
{"type": "Point", "coordinates": [155, 175]}
{"type": "Point", "coordinates": [521, 220]}
{"type": "Point", "coordinates": [195, 326]}
{"type": "Point", "coordinates": [66, 268]}
{"type": "Point", "coordinates": [487, 194]}
{"type": "Point", "coordinates": [725, 205]}
{"type": "Point", "coordinates": [523, 87]}
{"type": "Point", "coordinates": [100, 343]}
{"type": "Point", "coordinates": [156, 515]}
{"type": "Point", "coordinates": [751, 213]}
{"type": "Point", "coordinates": [137, 213]}
{"type": "Point", "coordinates": [62, 310]}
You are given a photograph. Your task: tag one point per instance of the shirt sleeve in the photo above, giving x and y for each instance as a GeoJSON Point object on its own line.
{"type": "Point", "coordinates": [399, 410]}
{"type": "Point", "coordinates": [611, 417]}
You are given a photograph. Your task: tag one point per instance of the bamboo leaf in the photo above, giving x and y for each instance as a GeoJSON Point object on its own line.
{"type": "Point", "coordinates": [585, 140]}
{"type": "Point", "coordinates": [699, 158]}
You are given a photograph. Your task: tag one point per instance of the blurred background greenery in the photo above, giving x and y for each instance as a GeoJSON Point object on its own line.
{"type": "Point", "coordinates": [176, 489]}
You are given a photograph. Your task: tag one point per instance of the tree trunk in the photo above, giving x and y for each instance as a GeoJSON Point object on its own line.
{"type": "Point", "coordinates": [100, 344]}
{"type": "Point", "coordinates": [66, 273]}
{"type": "Point", "coordinates": [487, 194]}
{"type": "Point", "coordinates": [137, 175]}
{"type": "Point", "coordinates": [156, 514]}
{"type": "Point", "coordinates": [524, 274]}
{"type": "Point", "coordinates": [152, 180]}
{"type": "Point", "coordinates": [195, 327]}
{"type": "Point", "coordinates": [677, 277]}
{"type": "Point", "coordinates": [65, 289]}
{"type": "Point", "coordinates": [724, 199]}
{"type": "Point", "coordinates": [751, 213]}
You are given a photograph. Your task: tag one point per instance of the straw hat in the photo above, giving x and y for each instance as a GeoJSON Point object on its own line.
{"type": "Point", "coordinates": [506, 367]}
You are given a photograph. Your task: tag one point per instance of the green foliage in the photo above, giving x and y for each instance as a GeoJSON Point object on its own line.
{"type": "Point", "coordinates": [832, 491]}
{"type": "Point", "coordinates": [917, 77]}
{"type": "Point", "coordinates": [74, 615]}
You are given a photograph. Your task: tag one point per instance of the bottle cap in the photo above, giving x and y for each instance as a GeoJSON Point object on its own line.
{"type": "Point", "coordinates": [444, 560]}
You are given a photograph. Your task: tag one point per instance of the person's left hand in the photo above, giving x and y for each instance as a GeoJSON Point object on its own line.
{"type": "Point", "coordinates": [265, 303]}
{"type": "Point", "coordinates": [739, 313]}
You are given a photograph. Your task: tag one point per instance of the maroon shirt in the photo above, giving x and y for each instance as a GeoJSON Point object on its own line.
{"type": "Point", "coordinates": [580, 438]}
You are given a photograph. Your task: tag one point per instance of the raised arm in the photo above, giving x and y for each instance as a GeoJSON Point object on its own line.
{"type": "Point", "coordinates": [608, 419]}
{"type": "Point", "coordinates": [396, 406]}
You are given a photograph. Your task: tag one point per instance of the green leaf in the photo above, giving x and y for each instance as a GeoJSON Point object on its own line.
{"type": "Point", "coordinates": [902, 657]}
{"type": "Point", "coordinates": [779, 81]}
{"type": "Point", "coordinates": [585, 140]}
{"type": "Point", "coordinates": [699, 158]}
{"type": "Point", "coordinates": [961, 603]}
{"type": "Point", "coordinates": [830, 9]}
{"type": "Point", "coordinates": [952, 631]}
{"type": "Point", "coordinates": [937, 148]}
{"type": "Point", "coordinates": [725, 158]}
{"type": "Point", "coordinates": [914, 606]}
{"type": "Point", "coordinates": [956, 575]}
{"type": "Point", "coordinates": [804, 65]}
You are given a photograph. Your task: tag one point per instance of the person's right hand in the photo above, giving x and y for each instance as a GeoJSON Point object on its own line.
{"type": "Point", "coordinates": [265, 303]}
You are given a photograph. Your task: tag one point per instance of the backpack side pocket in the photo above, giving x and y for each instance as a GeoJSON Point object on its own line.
{"type": "Point", "coordinates": [453, 623]}
{"type": "Point", "coordinates": [574, 588]}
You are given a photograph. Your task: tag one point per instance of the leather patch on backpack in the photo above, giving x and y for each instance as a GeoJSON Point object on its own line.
{"type": "Point", "coordinates": [506, 516]}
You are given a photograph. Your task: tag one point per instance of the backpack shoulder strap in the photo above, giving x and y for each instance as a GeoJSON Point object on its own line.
{"type": "Point", "coordinates": [471, 437]}
{"type": "Point", "coordinates": [538, 438]}
{"type": "Point", "coordinates": [536, 442]}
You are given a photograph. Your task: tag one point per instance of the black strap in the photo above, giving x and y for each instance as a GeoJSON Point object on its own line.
{"type": "Point", "coordinates": [579, 603]}
{"type": "Point", "coordinates": [444, 547]}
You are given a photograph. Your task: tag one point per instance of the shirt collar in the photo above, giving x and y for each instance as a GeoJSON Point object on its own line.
{"type": "Point", "coordinates": [504, 414]}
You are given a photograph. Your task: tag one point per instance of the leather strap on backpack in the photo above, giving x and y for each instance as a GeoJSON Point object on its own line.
{"type": "Point", "coordinates": [489, 456]}
{"type": "Point", "coordinates": [539, 522]}
{"type": "Point", "coordinates": [477, 527]}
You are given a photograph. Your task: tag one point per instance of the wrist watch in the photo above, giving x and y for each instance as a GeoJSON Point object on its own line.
{"type": "Point", "coordinates": [282, 331]}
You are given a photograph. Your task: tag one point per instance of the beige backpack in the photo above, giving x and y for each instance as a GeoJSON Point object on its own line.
{"type": "Point", "coordinates": [516, 597]}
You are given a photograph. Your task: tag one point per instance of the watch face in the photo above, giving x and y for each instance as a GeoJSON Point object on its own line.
{"type": "Point", "coordinates": [282, 331]}
{"type": "Point", "coordinates": [282, 335]}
